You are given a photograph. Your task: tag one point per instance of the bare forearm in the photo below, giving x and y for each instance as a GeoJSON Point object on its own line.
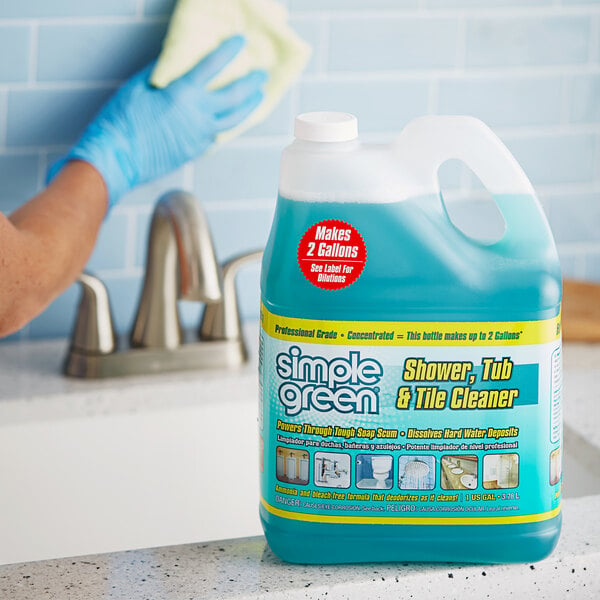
{"type": "Point", "coordinates": [45, 244]}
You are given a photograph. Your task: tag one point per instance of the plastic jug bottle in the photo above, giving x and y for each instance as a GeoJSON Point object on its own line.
{"type": "Point", "coordinates": [390, 339]}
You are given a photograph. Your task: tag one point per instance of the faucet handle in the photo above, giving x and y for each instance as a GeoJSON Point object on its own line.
{"type": "Point", "coordinates": [221, 319]}
{"type": "Point", "coordinates": [93, 332]}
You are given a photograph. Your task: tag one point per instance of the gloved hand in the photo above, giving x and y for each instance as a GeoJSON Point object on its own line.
{"type": "Point", "coordinates": [144, 132]}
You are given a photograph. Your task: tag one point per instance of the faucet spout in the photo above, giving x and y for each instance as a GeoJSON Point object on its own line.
{"type": "Point", "coordinates": [180, 265]}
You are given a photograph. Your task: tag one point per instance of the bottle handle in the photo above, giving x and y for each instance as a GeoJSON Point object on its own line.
{"type": "Point", "coordinates": [427, 142]}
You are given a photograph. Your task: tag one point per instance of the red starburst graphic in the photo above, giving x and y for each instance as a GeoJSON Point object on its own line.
{"type": "Point", "coordinates": [332, 254]}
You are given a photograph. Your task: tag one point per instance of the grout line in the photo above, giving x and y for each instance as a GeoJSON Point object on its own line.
{"type": "Point", "coordinates": [21, 150]}
{"type": "Point", "coordinates": [546, 206]}
{"type": "Point", "coordinates": [189, 176]}
{"type": "Point", "coordinates": [433, 97]}
{"type": "Point", "coordinates": [139, 8]}
{"type": "Point", "coordinates": [241, 204]}
{"type": "Point", "coordinates": [511, 132]}
{"type": "Point", "coordinates": [594, 49]}
{"type": "Point", "coordinates": [273, 141]}
{"type": "Point", "coordinates": [360, 77]}
{"type": "Point", "coordinates": [313, 77]}
{"type": "Point", "coordinates": [34, 36]}
{"type": "Point", "coordinates": [579, 247]}
{"type": "Point", "coordinates": [60, 85]}
{"type": "Point", "coordinates": [597, 160]}
{"type": "Point", "coordinates": [467, 194]}
{"type": "Point", "coordinates": [324, 34]}
{"type": "Point", "coordinates": [135, 209]}
{"type": "Point", "coordinates": [92, 20]}
{"type": "Point", "coordinates": [482, 73]}
{"type": "Point", "coordinates": [580, 268]}
{"type": "Point", "coordinates": [461, 43]}
{"type": "Point", "coordinates": [131, 240]}
{"type": "Point", "coordinates": [278, 141]}
{"type": "Point", "coordinates": [569, 189]}
{"type": "Point", "coordinates": [42, 169]}
{"type": "Point", "coordinates": [510, 12]}
{"type": "Point", "coordinates": [420, 12]}
{"type": "Point", "coordinates": [565, 99]}
{"type": "Point", "coordinates": [519, 132]}
{"type": "Point", "coordinates": [294, 104]}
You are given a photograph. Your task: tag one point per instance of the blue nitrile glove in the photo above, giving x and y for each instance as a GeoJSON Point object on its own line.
{"type": "Point", "coordinates": [144, 132]}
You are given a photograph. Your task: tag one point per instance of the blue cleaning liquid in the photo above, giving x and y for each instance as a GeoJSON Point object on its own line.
{"type": "Point", "coordinates": [419, 268]}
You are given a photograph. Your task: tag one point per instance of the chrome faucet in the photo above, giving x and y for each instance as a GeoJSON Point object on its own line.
{"type": "Point", "coordinates": [180, 265]}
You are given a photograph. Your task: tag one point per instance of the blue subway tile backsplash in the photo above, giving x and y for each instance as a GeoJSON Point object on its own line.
{"type": "Point", "coordinates": [111, 245]}
{"type": "Point", "coordinates": [18, 179]}
{"type": "Point", "coordinates": [106, 52]}
{"type": "Point", "coordinates": [556, 159]}
{"type": "Point", "coordinates": [14, 53]}
{"type": "Point", "coordinates": [504, 101]}
{"type": "Point", "coordinates": [159, 7]}
{"type": "Point", "coordinates": [311, 31]}
{"type": "Point", "coordinates": [575, 217]}
{"type": "Point", "coordinates": [585, 98]}
{"type": "Point", "coordinates": [529, 68]}
{"type": "Point", "coordinates": [57, 319]}
{"type": "Point", "coordinates": [49, 117]}
{"type": "Point", "coordinates": [340, 5]}
{"type": "Point", "coordinates": [238, 173]}
{"type": "Point", "coordinates": [484, 3]}
{"type": "Point", "coordinates": [280, 121]}
{"type": "Point", "coordinates": [36, 9]}
{"type": "Point", "coordinates": [251, 226]}
{"type": "Point", "coordinates": [534, 40]}
{"type": "Point", "coordinates": [384, 106]}
{"type": "Point", "coordinates": [392, 43]}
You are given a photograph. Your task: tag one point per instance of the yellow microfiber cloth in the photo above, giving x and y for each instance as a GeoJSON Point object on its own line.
{"type": "Point", "coordinates": [197, 27]}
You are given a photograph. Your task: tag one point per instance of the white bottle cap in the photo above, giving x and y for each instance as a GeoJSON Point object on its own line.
{"type": "Point", "coordinates": [326, 127]}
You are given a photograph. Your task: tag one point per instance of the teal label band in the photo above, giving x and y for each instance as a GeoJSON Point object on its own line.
{"type": "Point", "coordinates": [382, 429]}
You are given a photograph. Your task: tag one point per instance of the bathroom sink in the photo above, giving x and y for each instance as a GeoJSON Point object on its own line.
{"type": "Point", "coordinates": [581, 466]}
{"type": "Point", "coordinates": [469, 481]}
{"type": "Point", "coordinates": [107, 466]}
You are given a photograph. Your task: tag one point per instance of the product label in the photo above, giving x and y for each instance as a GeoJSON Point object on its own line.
{"type": "Point", "coordinates": [430, 423]}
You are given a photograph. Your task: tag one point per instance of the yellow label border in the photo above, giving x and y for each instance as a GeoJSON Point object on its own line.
{"type": "Point", "coordinates": [411, 333]}
{"type": "Point", "coordinates": [299, 516]}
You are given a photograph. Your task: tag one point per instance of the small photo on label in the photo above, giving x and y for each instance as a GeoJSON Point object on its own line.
{"type": "Point", "coordinates": [374, 471]}
{"type": "Point", "coordinates": [332, 469]}
{"type": "Point", "coordinates": [555, 466]}
{"type": "Point", "coordinates": [292, 465]}
{"type": "Point", "coordinates": [459, 472]}
{"type": "Point", "coordinates": [500, 471]}
{"type": "Point", "coordinates": [416, 472]}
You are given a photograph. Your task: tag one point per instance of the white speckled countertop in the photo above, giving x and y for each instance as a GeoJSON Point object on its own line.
{"type": "Point", "coordinates": [245, 568]}
{"type": "Point", "coordinates": [32, 391]}
{"type": "Point", "coordinates": [32, 387]}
